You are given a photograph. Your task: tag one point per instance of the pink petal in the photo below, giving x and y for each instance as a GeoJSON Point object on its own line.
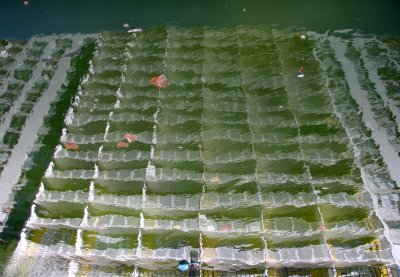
{"type": "Point", "coordinates": [159, 81]}
{"type": "Point", "coordinates": [130, 137]}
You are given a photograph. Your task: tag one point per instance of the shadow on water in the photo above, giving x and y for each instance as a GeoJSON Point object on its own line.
{"type": "Point", "coordinates": [41, 158]}
{"type": "Point", "coordinates": [6, 250]}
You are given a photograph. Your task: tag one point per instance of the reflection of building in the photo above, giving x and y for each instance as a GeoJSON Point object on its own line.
{"type": "Point", "coordinates": [236, 157]}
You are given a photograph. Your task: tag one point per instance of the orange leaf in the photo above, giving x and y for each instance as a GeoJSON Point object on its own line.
{"type": "Point", "coordinates": [122, 144]}
{"type": "Point", "coordinates": [70, 145]}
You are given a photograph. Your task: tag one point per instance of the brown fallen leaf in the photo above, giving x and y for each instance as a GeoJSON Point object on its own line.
{"type": "Point", "coordinates": [70, 145]}
{"type": "Point", "coordinates": [122, 144]}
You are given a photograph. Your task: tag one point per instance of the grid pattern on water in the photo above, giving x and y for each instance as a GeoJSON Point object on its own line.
{"type": "Point", "coordinates": [237, 158]}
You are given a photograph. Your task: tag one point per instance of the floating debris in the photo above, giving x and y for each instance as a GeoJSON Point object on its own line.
{"type": "Point", "coordinates": [136, 30]}
{"type": "Point", "coordinates": [300, 72]}
{"type": "Point", "coordinates": [303, 36]}
{"type": "Point", "coordinates": [125, 25]}
{"type": "Point", "coordinates": [122, 144]}
{"type": "Point", "coordinates": [159, 81]}
{"type": "Point", "coordinates": [70, 145]}
{"type": "Point", "coordinates": [130, 137]}
{"type": "Point", "coordinates": [183, 265]}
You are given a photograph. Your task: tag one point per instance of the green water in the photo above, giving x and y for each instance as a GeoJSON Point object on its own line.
{"type": "Point", "coordinates": [47, 17]}
{"type": "Point", "coordinates": [237, 157]}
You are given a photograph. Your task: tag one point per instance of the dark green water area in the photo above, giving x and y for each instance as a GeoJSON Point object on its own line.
{"type": "Point", "coordinates": [75, 16]}
{"type": "Point", "coordinates": [237, 157]}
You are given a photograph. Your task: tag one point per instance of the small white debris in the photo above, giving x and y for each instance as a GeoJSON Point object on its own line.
{"type": "Point", "coordinates": [136, 30]}
{"type": "Point", "coordinates": [244, 9]}
{"type": "Point", "coordinates": [302, 36]}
